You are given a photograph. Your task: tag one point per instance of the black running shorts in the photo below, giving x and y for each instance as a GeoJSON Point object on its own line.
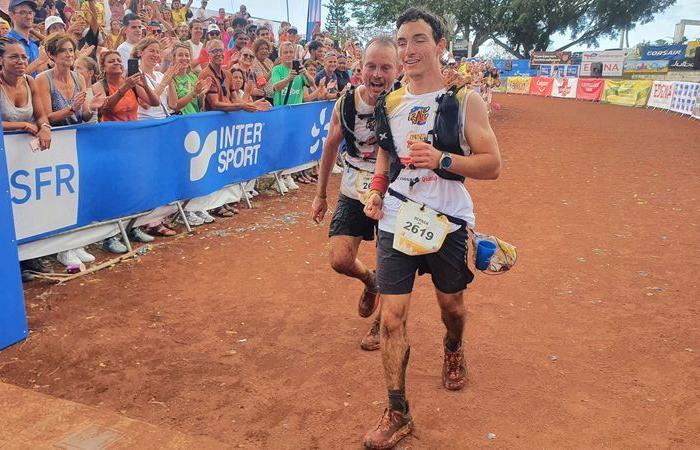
{"type": "Point", "coordinates": [349, 219]}
{"type": "Point", "coordinates": [396, 271]}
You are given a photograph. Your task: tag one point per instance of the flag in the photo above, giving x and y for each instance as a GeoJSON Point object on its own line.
{"type": "Point", "coordinates": [313, 19]}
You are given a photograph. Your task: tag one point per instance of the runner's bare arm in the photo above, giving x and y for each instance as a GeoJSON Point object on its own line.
{"type": "Point", "coordinates": [375, 203]}
{"type": "Point", "coordinates": [485, 161]}
{"type": "Point", "coordinates": [330, 153]}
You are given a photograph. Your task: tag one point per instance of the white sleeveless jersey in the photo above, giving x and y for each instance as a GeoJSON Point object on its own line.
{"type": "Point", "coordinates": [413, 117]}
{"type": "Point", "coordinates": [366, 146]}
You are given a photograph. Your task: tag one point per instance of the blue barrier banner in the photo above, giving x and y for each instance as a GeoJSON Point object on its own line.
{"type": "Point", "coordinates": [94, 173]}
{"type": "Point", "coordinates": [13, 322]}
{"type": "Point", "coordinates": [517, 67]}
{"type": "Point", "coordinates": [670, 52]}
{"type": "Point", "coordinates": [545, 70]}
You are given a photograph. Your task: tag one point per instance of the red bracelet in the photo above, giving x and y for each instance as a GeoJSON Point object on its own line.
{"type": "Point", "coordinates": [380, 183]}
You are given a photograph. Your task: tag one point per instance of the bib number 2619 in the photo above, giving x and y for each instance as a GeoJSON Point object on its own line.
{"type": "Point", "coordinates": [419, 230]}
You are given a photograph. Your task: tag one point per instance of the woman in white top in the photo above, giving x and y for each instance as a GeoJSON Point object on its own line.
{"type": "Point", "coordinates": [148, 51]}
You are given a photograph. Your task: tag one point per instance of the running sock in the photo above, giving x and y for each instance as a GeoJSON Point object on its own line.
{"type": "Point", "coordinates": [452, 346]}
{"type": "Point", "coordinates": [397, 400]}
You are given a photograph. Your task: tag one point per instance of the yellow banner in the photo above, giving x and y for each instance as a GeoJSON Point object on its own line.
{"type": "Point", "coordinates": [627, 92]}
{"type": "Point", "coordinates": [518, 85]}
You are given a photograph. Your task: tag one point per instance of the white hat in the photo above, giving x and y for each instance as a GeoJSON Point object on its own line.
{"type": "Point", "coordinates": [52, 20]}
{"type": "Point", "coordinates": [213, 27]}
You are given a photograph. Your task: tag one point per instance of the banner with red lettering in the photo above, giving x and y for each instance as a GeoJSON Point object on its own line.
{"type": "Point", "coordinates": [590, 89]}
{"type": "Point", "coordinates": [661, 95]}
{"type": "Point", "coordinates": [541, 86]}
{"type": "Point", "coordinates": [564, 87]}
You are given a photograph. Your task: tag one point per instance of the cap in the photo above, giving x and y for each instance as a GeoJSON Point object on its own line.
{"type": "Point", "coordinates": [154, 23]}
{"type": "Point", "coordinates": [16, 3]}
{"type": "Point", "coordinates": [213, 27]}
{"type": "Point", "coordinates": [292, 30]}
{"type": "Point", "coordinates": [52, 20]}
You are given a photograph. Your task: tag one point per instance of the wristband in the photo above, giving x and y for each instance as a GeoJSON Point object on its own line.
{"type": "Point", "coordinates": [380, 183]}
{"type": "Point", "coordinates": [374, 191]}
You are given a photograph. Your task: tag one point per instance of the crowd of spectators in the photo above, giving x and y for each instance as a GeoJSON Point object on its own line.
{"type": "Point", "coordinates": [68, 62]}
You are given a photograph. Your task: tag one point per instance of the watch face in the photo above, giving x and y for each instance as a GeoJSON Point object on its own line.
{"type": "Point", "coordinates": [446, 162]}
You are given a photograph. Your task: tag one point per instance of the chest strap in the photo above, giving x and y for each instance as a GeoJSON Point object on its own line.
{"type": "Point", "coordinates": [452, 219]}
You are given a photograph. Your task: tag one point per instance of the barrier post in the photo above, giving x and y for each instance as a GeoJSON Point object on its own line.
{"type": "Point", "coordinates": [13, 319]}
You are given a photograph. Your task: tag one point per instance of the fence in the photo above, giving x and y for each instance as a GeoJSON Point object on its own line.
{"type": "Point", "coordinates": [677, 96]}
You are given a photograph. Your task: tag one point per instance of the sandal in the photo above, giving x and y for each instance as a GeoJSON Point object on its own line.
{"type": "Point", "coordinates": [231, 207]}
{"type": "Point", "coordinates": [222, 212]}
{"type": "Point", "coordinates": [162, 230]}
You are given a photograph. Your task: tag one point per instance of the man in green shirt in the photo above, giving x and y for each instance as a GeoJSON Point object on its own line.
{"type": "Point", "coordinates": [284, 76]}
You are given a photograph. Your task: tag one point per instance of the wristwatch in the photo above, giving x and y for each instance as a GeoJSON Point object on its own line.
{"type": "Point", "coordinates": [445, 161]}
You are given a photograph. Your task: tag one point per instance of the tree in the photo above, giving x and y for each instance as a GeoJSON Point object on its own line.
{"type": "Point", "coordinates": [523, 26]}
{"type": "Point", "coordinates": [337, 17]}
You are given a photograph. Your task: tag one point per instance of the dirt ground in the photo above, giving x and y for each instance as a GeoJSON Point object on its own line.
{"type": "Point", "coordinates": [242, 332]}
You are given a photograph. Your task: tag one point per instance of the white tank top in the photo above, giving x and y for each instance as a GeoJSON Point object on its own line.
{"type": "Point", "coordinates": [412, 117]}
{"type": "Point", "coordinates": [365, 141]}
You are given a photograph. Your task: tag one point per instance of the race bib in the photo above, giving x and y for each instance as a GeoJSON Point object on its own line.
{"type": "Point", "coordinates": [419, 229]}
{"type": "Point", "coordinates": [363, 180]}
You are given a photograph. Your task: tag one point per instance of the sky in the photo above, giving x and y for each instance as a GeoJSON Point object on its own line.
{"type": "Point", "coordinates": [661, 27]}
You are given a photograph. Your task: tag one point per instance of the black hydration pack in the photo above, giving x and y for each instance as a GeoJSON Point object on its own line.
{"type": "Point", "coordinates": [445, 133]}
{"type": "Point", "coordinates": [348, 113]}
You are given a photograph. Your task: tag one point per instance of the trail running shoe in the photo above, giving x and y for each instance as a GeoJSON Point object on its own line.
{"type": "Point", "coordinates": [454, 369]}
{"type": "Point", "coordinates": [391, 428]}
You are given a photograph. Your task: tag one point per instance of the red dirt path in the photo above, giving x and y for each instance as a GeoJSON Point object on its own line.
{"type": "Point", "coordinates": [591, 341]}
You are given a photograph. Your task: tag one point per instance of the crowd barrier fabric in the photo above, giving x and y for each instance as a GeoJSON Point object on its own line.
{"type": "Point", "coordinates": [94, 173]}
{"type": "Point", "coordinates": [661, 94]}
{"type": "Point", "coordinates": [564, 87]}
{"type": "Point", "coordinates": [696, 108]}
{"type": "Point", "coordinates": [684, 97]}
{"type": "Point", "coordinates": [518, 85]}
{"type": "Point", "coordinates": [590, 88]}
{"type": "Point", "coordinates": [13, 322]}
{"type": "Point", "coordinates": [541, 86]}
{"type": "Point", "coordinates": [626, 92]}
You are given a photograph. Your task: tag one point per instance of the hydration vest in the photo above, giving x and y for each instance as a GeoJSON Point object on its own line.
{"type": "Point", "coordinates": [348, 113]}
{"type": "Point", "coordinates": [445, 133]}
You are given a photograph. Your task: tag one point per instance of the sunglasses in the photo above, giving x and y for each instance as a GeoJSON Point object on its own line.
{"type": "Point", "coordinates": [214, 33]}
{"type": "Point", "coordinates": [247, 56]}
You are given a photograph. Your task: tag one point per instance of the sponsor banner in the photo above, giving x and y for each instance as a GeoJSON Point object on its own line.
{"type": "Point", "coordinates": [685, 96]}
{"type": "Point", "coordinates": [688, 62]}
{"type": "Point", "coordinates": [558, 71]}
{"type": "Point", "coordinates": [589, 88]}
{"type": "Point", "coordinates": [696, 108]}
{"type": "Point", "coordinates": [661, 94]}
{"type": "Point", "coordinates": [94, 173]}
{"type": "Point", "coordinates": [564, 87]}
{"type": "Point", "coordinates": [539, 58]}
{"type": "Point", "coordinates": [667, 52]}
{"type": "Point", "coordinates": [13, 322]}
{"type": "Point", "coordinates": [626, 92]}
{"type": "Point", "coordinates": [545, 70]}
{"type": "Point", "coordinates": [518, 85]}
{"type": "Point", "coordinates": [512, 67]}
{"type": "Point", "coordinates": [541, 86]}
{"type": "Point", "coordinates": [501, 87]}
{"type": "Point", "coordinates": [612, 61]}
{"type": "Point", "coordinates": [646, 66]}
{"type": "Point", "coordinates": [572, 70]}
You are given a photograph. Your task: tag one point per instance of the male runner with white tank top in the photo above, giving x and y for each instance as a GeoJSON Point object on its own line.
{"type": "Point", "coordinates": [423, 213]}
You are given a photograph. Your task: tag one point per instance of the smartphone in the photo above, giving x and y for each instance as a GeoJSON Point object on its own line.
{"type": "Point", "coordinates": [296, 65]}
{"type": "Point", "coordinates": [132, 67]}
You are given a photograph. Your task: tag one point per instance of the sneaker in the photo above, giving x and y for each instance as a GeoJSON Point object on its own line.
{"type": "Point", "coordinates": [36, 265]}
{"type": "Point", "coordinates": [113, 245]}
{"type": "Point", "coordinates": [454, 369]}
{"type": "Point", "coordinates": [289, 182]}
{"type": "Point", "coordinates": [368, 300]}
{"type": "Point", "coordinates": [337, 169]}
{"type": "Point", "coordinates": [370, 341]}
{"type": "Point", "coordinates": [138, 235]}
{"type": "Point", "coordinates": [205, 216]}
{"type": "Point", "coordinates": [83, 255]}
{"type": "Point", "coordinates": [391, 428]}
{"type": "Point", "coordinates": [27, 276]}
{"type": "Point", "coordinates": [68, 258]}
{"type": "Point", "coordinates": [193, 219]}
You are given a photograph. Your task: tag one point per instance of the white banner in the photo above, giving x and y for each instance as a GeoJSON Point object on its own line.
{"type": "Point", "coordinates": [661, 95]}
{"type": "Point", "coordinates": [612, 60]}
{"type": "Point", "coordinates": [564, 87]}
{"type": "Point", "coordinates": [696, 110]}
{"type": "Point", "coordinates": [685, 95]}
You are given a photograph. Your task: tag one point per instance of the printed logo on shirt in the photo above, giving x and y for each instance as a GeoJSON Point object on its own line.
{"type": "Point", "coordinates": [419, 115]}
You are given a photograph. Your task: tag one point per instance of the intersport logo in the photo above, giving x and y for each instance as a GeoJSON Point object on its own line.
{"type": "Point", "coordinates": [316, 131]}
{"type": "Point", "coordinates": [236, 146]}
